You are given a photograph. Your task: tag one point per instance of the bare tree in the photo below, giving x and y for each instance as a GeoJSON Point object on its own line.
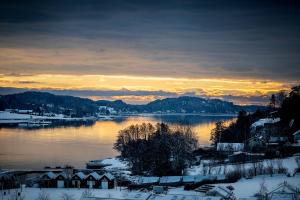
{"type": "Point", "coordinates": [270, 167]}
{"type": "Point", "coordinates": [66, 196]}
{"type": "Point", "coordinates": [87, 193]}
{"type": "Point", "coordinates": [43, 196]}
{"type": "Point", "coordinates": [263, 190]}
{"type": "Point", "coordinates": [280, 168]}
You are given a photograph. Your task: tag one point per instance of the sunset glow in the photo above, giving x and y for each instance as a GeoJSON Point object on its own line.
{"type": "Point", "coordinates": [163, 86]}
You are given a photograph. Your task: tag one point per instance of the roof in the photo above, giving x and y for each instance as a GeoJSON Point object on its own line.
{"type": "Point", "coordinates": [230, 146]}
{"type": "Point", "coordinates": [62, 174]}
{"type": "Point", "coordinates": [148, 180]}
{"type": "Point", "coordinates": [220, 191]}
{"type": "Point", "coordinates": [297, 132]}
{"type": "Point", "coordinates": [109, 176]}
{"type": "Point", "coordinates": [284, 188]}
{"type": "Point", "coordinates": [50, 175]}
{"type": "Point", "coordinates": [80, 175]}
{"type": "Point", "coordinates": [263, 121]}
{"type": "Point", "coordinates": [170, 179]}
{"type": "Point", "coordinates": [95, 175]}
{"type": "Point", "coordinates": [187, 179]}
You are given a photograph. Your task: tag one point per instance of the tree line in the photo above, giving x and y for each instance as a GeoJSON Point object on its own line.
{"type": "Point", "coordinates": [284, 105]}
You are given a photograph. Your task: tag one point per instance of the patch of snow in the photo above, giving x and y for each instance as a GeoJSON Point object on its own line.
{"type": "Point", "coordinates": [248, 187]}
{"type": "Point", "coordinates": [263, 121]}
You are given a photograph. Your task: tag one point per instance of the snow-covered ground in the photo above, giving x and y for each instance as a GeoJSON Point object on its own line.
{"type": "Point", "coordinates": [56, 193]}
{"type": "Point", "coordinates": [115, 163]}
{"type": "Point", "coordinates": [249, 187]}
{"type": "Point", "coordinates": [263, 121]}
{"type": "Point", "coordinates": [289, 163]}
{"type": "Point", "coordinates": [244, 188]}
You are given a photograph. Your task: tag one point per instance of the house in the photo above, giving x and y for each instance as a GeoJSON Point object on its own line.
{"type": "Point", "coordinates": [48, 180]}
{"type": "Point", "coordinates": [78, 180]}
{"type": "Point", "coordinates": [92, 180]}
{"type": "Point", "coordinates": [230, 147]}
{"type": "Point", "coordinates": [284, 191]}
{"type": "Point", "coordinates": [61, 180]}
{"type": "Point", "coordinates": [107, 181]}
{"type": "Point", "coordinates": [170, 180]}
{"type": "Point", "coordinates": [222, 192]}
{"type": "Point", "coordinates": [296, 136]}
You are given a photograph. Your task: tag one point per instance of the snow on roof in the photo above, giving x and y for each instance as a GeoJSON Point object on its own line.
{"type": "Point", "coordinates": [80, 175]}
{"type": "Point", "coordinates": [220, 191]}
{"type": "Point", "coordinates": [108, 175]}
{"type": "Point", "coordinates": [263, 121]}
{"type": "Point", "coordinates": [284, 188]}
{"type": "Point", "coordinates": [187, 179]}
{"type": "Point", "coordinates": [50, 175]}
{"type": "Point", "coordinates": [62, 174]}
{"type": "Point", "coordinates": [148, 180]}
{"type": "Point", "coordinates": [230, 146]}
{"type": "Point", "coordinates": [170, 179]}
{"type": "Point", "coordinates": [95, 175]}
{"type": "Point", "coordinates": [297, 132]}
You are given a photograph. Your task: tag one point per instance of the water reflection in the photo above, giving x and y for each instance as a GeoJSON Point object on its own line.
{"type": "Point", "coordinates": [23, 148]}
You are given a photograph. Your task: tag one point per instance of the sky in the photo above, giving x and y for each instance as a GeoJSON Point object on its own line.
{"type": "Point", "coordinates": [138, 51]}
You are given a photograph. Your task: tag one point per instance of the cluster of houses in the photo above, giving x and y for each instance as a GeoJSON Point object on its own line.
{"type": "Point", "coordinates": [265, 136]}
{"type": "Point", "coordinates": [78, 180]}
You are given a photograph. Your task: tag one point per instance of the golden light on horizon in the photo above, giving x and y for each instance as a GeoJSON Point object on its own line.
{"type": "Point", "coordinates": [205, 87]}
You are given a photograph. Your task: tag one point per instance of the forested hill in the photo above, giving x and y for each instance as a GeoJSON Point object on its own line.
{"type": "Point", "coordinates": [47, 102]}
{"type": "Point", "coordinates": [184, 104]}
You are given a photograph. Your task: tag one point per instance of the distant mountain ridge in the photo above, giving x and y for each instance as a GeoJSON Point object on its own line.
{"type": "Point", "coordinates": [183, 104]}
{"type": "Point", "coordinates": [47, 102]}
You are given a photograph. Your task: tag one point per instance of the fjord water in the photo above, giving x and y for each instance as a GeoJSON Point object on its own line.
{"type": "Point", "coordinates": [37, 148]}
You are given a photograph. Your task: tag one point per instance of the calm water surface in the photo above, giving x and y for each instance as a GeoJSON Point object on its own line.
{"type": "Point", "coordinates": [35, 149]}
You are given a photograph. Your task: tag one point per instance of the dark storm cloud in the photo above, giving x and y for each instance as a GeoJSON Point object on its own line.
{"type": "Point", "coordinates": [257, 39]}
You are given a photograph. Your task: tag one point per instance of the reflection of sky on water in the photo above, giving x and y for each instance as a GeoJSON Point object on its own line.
{"type": "Point", "coordinates": [23, 148]}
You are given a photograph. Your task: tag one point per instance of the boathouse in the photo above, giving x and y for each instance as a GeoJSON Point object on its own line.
{"type": "Point", "coordinates": [61, 180]}
{"type": "Point", "coordinates": [78, 180]}
{"type": "Point", "coordinates": [107, 181]}
{"type": "Point", "coordinates": [48, 180]}
{"type": "Point", "coordinates": [92, 180]}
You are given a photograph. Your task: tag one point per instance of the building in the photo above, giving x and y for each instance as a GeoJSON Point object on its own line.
{"type": "Point", "coordinates": [296, 136]}
{"type": "Point", "coordinates": [48, 180]}
{"type": "Point", "coordinates": [107, 181]}
{"type": "Point", "coordinates": [61, 180]}
{"type": "Point", "coordinates": [222, 192]}
{"type": "Point", "coordinates": [78, 180]}
{"type": "Point", "coordinates": [92, 180]}
{"type": "Point", "coordinates": [284, 191]}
